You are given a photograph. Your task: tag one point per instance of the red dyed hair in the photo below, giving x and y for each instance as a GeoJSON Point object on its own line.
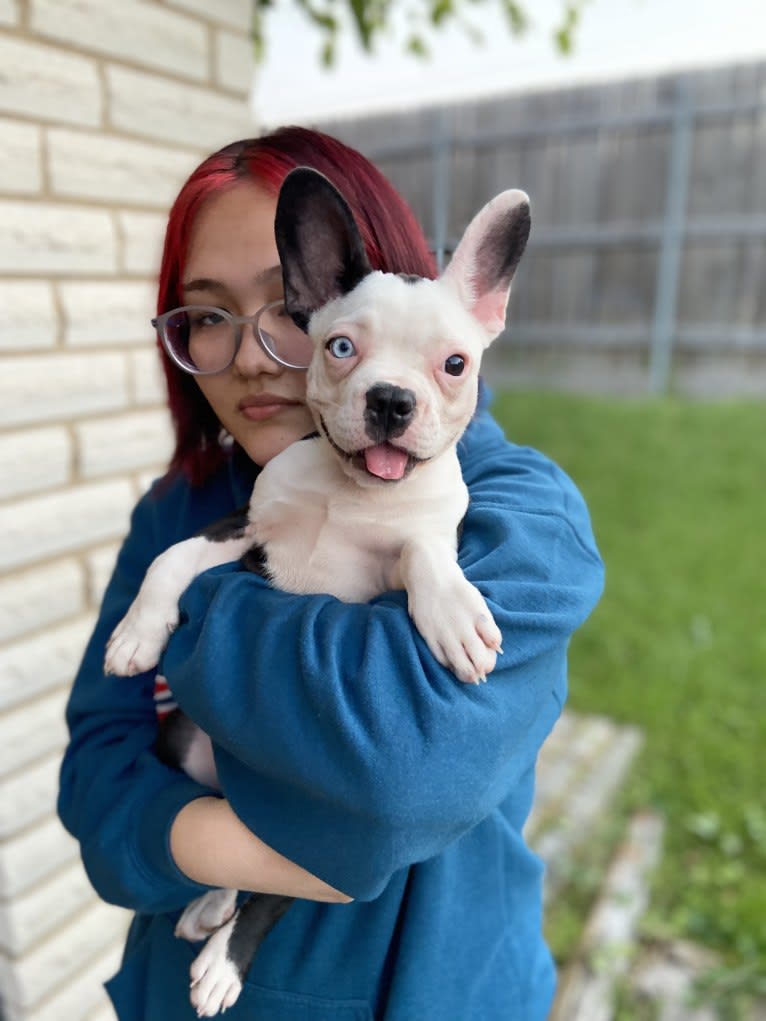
{"type": "Point", "coordinates": [391, 234]}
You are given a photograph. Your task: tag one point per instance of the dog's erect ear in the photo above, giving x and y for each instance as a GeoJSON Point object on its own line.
{"type": "Point", "coordinates": [320, 247]}
{"type": "Point", "coordinates": [484, 262]}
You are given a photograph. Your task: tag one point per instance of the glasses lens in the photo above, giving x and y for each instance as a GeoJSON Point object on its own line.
{"type": "Point", "coordinates": [201, 339]}
{"type": "Point", "coordinates": [282, 338]}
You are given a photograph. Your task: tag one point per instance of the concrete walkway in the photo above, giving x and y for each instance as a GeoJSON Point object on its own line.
{"type": "Point", "coordinates": [583, 766]}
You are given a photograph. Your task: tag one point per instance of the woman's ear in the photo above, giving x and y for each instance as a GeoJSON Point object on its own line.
{"type": "Point", "coordinates": [320, 247]}
{"type": "Point", "coordinates": [482, 268]}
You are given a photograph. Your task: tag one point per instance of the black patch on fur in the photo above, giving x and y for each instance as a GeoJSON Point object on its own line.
{"type": "Point", "coordinates": [460, 529]}
{"type": "Point", "coordinates": [389, 411]}
{"type": "Point", "coordinates": [252, 923]}
{"type": "Point", "coordinates": [231, 527]}
{"type": "Point", "coordinates": [311, 436]}
{"type": "Point", "coordinates": [174, 737]}
{"type": "Point", "coordinates": [256, 560]}
{"type": "Point", "coordinates": [320, 247]}
{"type": "Point", "coordinates": [502, 248]}
{"type": "Point", "coordinates": [410, 278]}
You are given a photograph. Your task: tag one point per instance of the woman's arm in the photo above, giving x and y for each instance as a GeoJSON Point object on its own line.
{"type": "Point", "coordinates": [115, 796]}
{"type": "Point", "coordinates": [151, 839]}
{"type": "Point", "coordinates": [339, 740]}
{"type": "Point", "coordinates": [211, 845]}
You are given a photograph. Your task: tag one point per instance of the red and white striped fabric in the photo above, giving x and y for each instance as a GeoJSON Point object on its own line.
{"type": "Point", "coordinates": [163, 697]}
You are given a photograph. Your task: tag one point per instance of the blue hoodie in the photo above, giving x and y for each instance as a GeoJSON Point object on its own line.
{"type": "Point", "coordinates": [345, 746]}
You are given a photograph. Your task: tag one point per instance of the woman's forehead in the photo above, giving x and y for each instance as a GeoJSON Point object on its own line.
{"type": "Point", "coordinates": [234, 235]}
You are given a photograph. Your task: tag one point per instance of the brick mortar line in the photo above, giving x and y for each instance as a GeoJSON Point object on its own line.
{"type": "Point", "coordinates": [94, 417]}
{"type": "Point", "coordinates": [75, 453]}
{"type": "Point", "coordinates": [101, 348]}
{"type": "Point", "coordinates": [47, 758]}
{"type": "Point", "coordinates": [80, 483]}
{"type": "Point", "coordinates": [42, 150]}
{"type": "Point", "coordinates": [122, 133]}
{"type": "Point", "coordinates": [72, 977]}
{"type": "Point", "coordinates": [36, 37]}
{"type": "Point", "coordinates": [98, 204]}
{"type": "Point", "coordinates": [56, 931]}
{"type": "Point", "coordinates": [55, 751]}
{"type": "Point", "coordinates": [60, 316]}
{"type": "Point", "coordinates": [37, 277]}
{"type": "Point", "coordinates": [36, 887]}
{"type": "Point", "coordinates": [39, 696]}
{"type": "Point", "coordinates": [105, 112]}
{"type": "Point", "coordinates": [120, 240]}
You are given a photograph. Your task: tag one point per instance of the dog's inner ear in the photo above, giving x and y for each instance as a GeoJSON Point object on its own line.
{"type": "Point", "coordinates": [320, 247]}
{"type": "Point", "coordinates": [485, 261]}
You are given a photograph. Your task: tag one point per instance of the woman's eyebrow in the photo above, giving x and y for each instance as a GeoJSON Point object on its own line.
{"type": "Point", "coordinates": [204, 284]}
{"type": "Point", "coordinates": [265, 276]}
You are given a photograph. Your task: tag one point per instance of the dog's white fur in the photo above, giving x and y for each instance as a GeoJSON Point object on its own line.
{"type": "Point", "coordinates": [329, 525]}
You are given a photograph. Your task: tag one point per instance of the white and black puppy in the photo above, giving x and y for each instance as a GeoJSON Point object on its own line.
{"type": "Point", "coordinates": [374, 502]}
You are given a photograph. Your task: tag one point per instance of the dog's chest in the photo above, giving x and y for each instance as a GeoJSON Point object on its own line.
{"type": "Point", "coordinates": [323, 533]}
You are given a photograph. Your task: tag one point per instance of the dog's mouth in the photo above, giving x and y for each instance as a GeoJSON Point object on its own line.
{"type": "Point", "coordinates": [385, 461]}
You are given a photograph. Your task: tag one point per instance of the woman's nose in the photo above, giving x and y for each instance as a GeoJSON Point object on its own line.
{"type": "Point", "coordinates": [251, 359]}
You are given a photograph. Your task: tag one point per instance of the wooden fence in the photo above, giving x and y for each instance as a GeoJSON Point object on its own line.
{"type": "Point", "coordinates": [647, 265]}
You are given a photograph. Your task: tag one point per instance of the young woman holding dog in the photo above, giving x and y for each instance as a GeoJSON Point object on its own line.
{"type": "Point", "coordinates": [358, 774]}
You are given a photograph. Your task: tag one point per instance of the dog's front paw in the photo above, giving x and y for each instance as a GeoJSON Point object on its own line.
{"type": "Point", "coordinates": [137, 642]}
{"type": "Point", "coordinates": [206, 914]}
{"type": "Point", "coordinates": [215, 980]}
{"type": "Point", "coordinates": [460, 631]}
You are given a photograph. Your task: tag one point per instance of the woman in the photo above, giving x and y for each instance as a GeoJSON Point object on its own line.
{"type": "Point", "coordinates": [358, 774]}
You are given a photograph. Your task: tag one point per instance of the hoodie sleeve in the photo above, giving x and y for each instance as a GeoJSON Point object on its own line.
{"type": "Point", "coordinates": [115, 796]}
{"type": "Point", "coordinates": [339, 739]}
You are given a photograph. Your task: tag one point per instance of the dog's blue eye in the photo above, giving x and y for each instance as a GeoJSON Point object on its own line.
{"type": "Point", "coordinates": [454, 365]}
{"type": "Point", "coordinates": [340, 347]}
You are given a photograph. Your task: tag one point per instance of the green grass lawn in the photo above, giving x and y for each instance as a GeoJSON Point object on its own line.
{"type": "Point", "coordinates": [677, 492]}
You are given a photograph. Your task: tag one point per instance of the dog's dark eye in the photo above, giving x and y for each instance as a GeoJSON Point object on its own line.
{"type": "Point", "coordinates": [340, 347]}
{"type": "Point", "coordinates": [454, 365]}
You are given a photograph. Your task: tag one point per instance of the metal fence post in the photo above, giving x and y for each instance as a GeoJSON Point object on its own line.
{"type": "Point", "coordinates": [664, 323]}
{"type": "Point", "coordinates": [440, 157]}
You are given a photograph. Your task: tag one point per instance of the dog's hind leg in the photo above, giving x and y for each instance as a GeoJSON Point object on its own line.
{"type": "Point", "coordinates": [207, 913]}
{"type": "Point", "coordinates": [219, 970]}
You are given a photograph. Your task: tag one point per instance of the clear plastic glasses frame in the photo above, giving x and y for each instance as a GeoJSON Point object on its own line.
{"type": "Point", "coordinates": [288, 338]}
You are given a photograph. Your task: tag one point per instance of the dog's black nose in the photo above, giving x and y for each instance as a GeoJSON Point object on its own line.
{"type": "Point", "coordinates": [389, 411]}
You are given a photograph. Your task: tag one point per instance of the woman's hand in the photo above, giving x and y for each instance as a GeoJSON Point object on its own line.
{"type": "Point", "coordinates": [211, 845]}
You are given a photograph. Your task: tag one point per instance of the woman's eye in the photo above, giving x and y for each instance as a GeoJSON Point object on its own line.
{"type": "Point", "coordinates": [340, 347]}
{"type": "Point", "coordinates": [209, 318]}
{"type": "Point", "coordinates": [454, 365]}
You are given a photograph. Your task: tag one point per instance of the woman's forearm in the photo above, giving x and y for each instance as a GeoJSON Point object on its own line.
{"type": "Point", "coordinates": [212, 846]}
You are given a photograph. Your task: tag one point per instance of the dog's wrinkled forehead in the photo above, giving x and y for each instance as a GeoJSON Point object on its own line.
{"type": "Point", "coordinates": [395, 312]}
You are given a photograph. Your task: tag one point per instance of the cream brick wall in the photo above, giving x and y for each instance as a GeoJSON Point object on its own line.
{"type": "Point", "coordinates": [104, 109]}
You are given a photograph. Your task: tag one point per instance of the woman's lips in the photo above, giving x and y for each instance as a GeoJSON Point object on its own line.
{"type": "Point", "coordinates": [264, 406]}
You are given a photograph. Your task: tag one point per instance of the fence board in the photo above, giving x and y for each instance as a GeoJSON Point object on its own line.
{"type": "Point", "coordinates": [596, 161]}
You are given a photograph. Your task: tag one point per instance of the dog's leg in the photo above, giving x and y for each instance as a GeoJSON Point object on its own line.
{"type": "Point", "coordinates": [448, 611]}
{"type": "Point", "coordinates": [206, 914]}
{"type": "Point", "coordinates": [138, 640]}
{"type": "Point", "coordinates": [219, 970]}
{"type": "Point", "coordinates": [181, 744]}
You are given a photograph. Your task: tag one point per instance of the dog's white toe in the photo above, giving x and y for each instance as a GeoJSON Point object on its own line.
{"type": "Point", "coordinates": [206, 914]}
{"type": "Point", "coordinates": [136, 644]}
{"type": "Point", "coordinates": [215, 981]}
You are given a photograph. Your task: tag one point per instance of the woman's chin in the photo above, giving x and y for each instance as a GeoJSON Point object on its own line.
{"type": "Point", "coordinates": [263, 440]}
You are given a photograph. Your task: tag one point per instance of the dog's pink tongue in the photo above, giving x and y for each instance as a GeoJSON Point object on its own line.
{"type": "Point", "coordinates": [385, 461]}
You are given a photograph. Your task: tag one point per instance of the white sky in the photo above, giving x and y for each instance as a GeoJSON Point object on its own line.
{"type": "Point", "coordinates": [616, 38]}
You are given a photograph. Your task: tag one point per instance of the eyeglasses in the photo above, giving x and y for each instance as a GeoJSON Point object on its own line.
{"type": "Point", "coordinates": [204, 340]}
